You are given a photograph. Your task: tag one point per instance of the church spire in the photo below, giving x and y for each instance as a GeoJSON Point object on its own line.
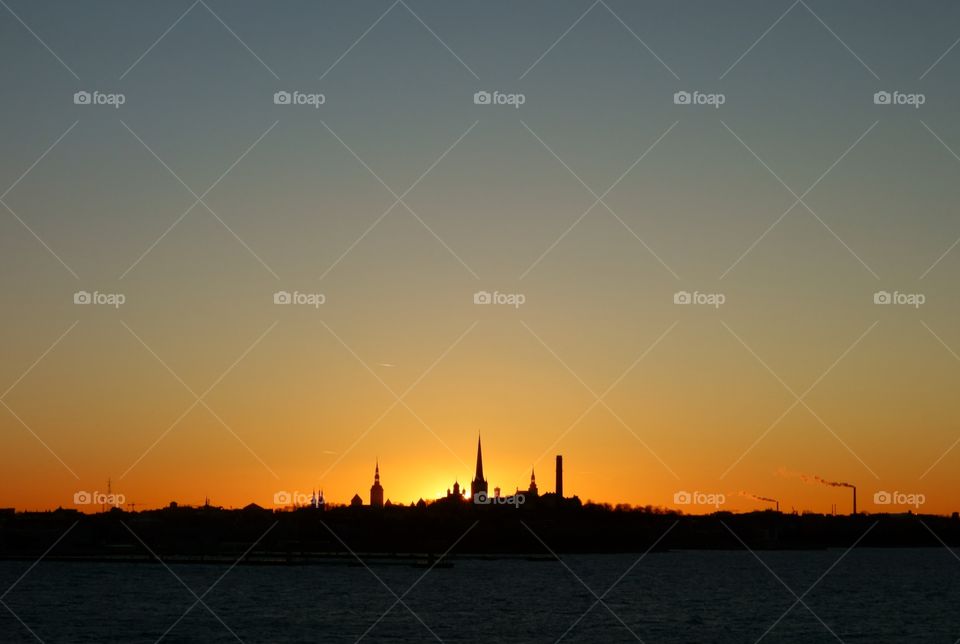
{"type": "Point", "coordinates": [479, 484]}
{"type": "Point", "coordinates": [479, 474]}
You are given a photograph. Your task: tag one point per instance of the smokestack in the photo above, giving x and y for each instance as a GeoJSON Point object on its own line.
{"type": "Point", "coordinates": [854, 499]}
{"type": "Point", "coordinates": [559, 476]}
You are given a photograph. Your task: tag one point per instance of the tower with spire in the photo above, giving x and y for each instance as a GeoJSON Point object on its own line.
{"type": "Point", "coordinates": [376, 490]}
{"type": "Point", "coordinates": [479, 484]}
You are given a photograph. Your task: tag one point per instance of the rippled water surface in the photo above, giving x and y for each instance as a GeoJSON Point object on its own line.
{"type": "Point", "coordinates": [869, 596]}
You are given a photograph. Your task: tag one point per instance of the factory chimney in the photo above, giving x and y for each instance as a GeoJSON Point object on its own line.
{"type": "Point", "coordinates": [854, 499]}
{"type": "Point", "coordinates": [559, 476]}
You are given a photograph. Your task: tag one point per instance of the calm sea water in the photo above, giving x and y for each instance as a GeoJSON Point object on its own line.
{"type": "Point", "coordinates": [870, 596]}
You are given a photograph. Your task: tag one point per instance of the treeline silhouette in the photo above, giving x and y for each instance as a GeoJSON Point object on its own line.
{"type": "Point", "coordinates": [309, 535]}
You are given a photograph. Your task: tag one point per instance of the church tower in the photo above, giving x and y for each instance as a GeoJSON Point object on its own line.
{"type": "Point", "coordinates": [479, 484]}
{"type": "Point", "coordinates": [376, 490]}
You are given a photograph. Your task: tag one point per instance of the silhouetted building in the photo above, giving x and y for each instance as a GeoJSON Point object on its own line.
{"type": "Point", "coordinates": [356, 501]}
{"type": "Point", "coordinates": [457, 493]}
{"type": "Point", "coordinates": [532, 491]}
{"type": "Point", "coordinates": [318, 502]}
{"type": "Point", "coordinates": [376, 490]}
{"type": "Point", "coordinates": [479, 484]}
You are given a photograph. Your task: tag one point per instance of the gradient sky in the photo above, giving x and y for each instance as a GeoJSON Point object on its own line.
{"type": "Point", "coordinates": [305, 397]}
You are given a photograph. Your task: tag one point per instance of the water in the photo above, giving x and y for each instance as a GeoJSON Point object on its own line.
{"type": "Point", "coordinates": [870, 596]}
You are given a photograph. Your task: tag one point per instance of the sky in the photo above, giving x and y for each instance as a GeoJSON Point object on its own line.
{"type": "Point", "coordinates": [784, 200]}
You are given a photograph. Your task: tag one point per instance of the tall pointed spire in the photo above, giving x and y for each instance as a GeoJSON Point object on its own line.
{"type": "Point", "coordinates": [479, 474]}
{"type": "Point", "coordinates": [479, 484]}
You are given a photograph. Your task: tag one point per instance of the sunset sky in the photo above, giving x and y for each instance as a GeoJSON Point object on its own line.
{"type": "Point", "coordinates": [199, 385]}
